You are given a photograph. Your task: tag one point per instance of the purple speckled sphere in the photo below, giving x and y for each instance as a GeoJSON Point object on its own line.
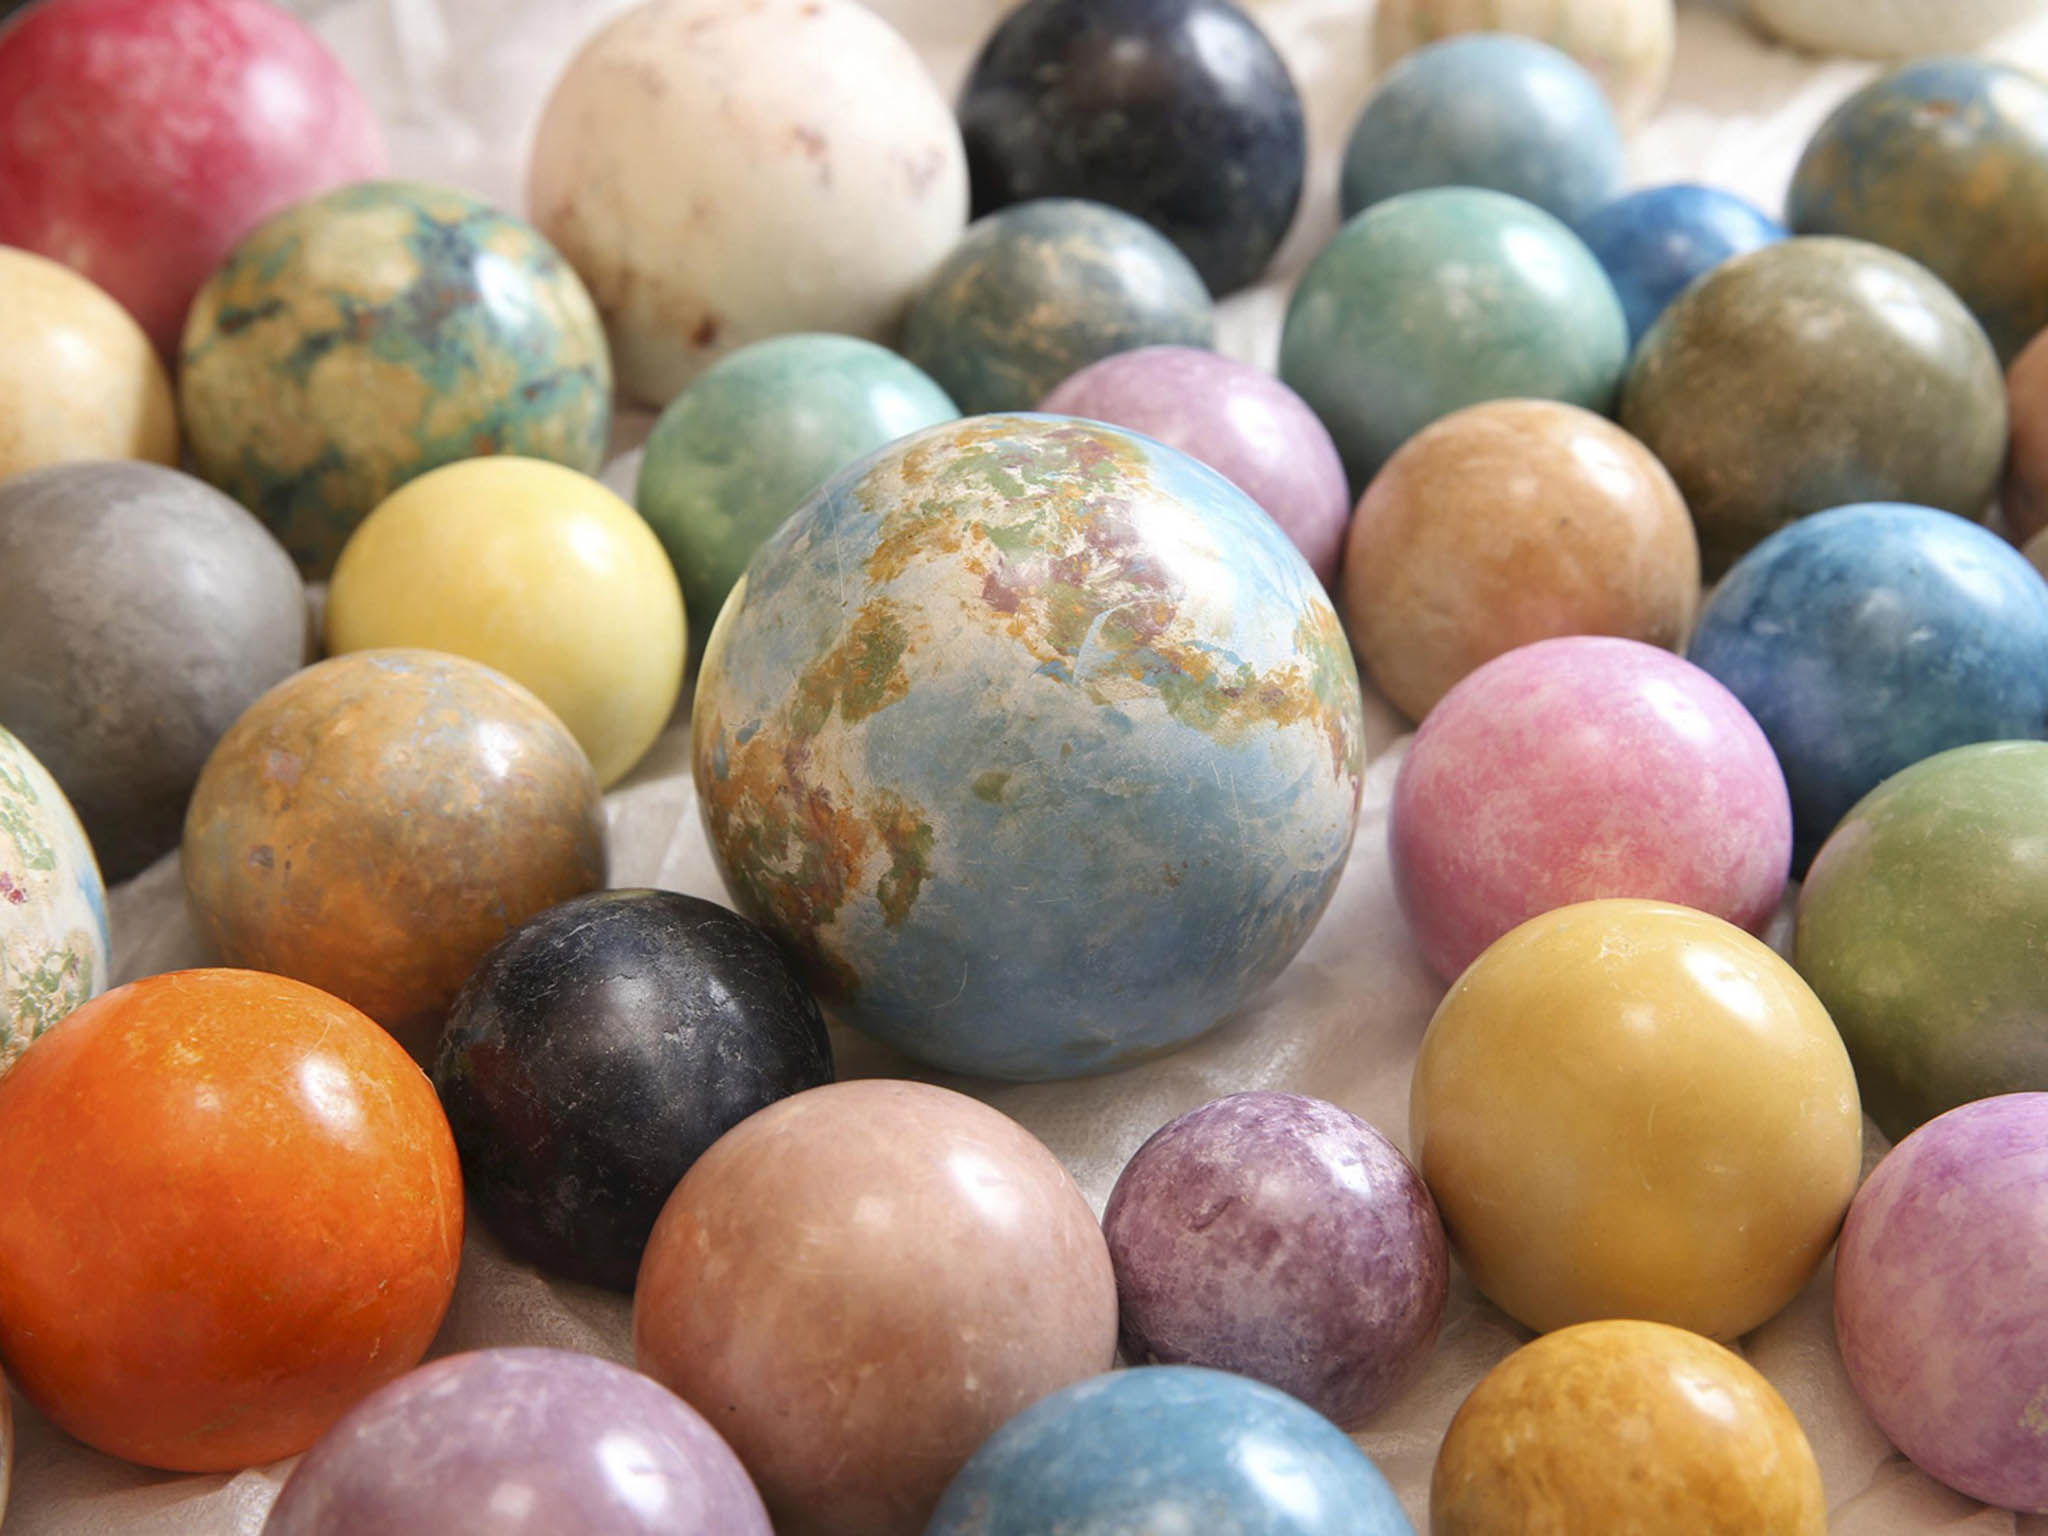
{"type": "Point", "coordinates": [1284, 1239]}
{"type": "Point", "coordinates": [1939, 1299]}
{"type": "Point", "coordinates": [506, 1442]}
{"type": "Point", "coordinates": [1246, 425]}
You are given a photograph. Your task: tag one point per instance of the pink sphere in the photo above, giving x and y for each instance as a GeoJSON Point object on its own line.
{"type": "Point", "coordinates": [1580, 768]}
{"type": "Point", "coordinates": [140, 139]}
{"type": "Point", "coordinates": [1246, 425]}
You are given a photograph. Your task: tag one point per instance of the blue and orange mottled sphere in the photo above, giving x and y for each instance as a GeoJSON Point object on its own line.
{"type": "Point", "coordinates": [1036, 740]}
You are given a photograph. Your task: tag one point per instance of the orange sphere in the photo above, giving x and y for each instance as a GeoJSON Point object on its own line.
{"type": "Point", "coordinates": [230, 1208]}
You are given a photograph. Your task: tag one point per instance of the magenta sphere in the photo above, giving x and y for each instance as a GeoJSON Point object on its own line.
{"type": "Point", "coordinates": [1580, 768]}
{"type": "Point", "coordinates": [1940, 1306]}
{"type": "Point", "coordinates": [1246, 425]}
{"type": "Point", "coordinates": [1281, 1238]}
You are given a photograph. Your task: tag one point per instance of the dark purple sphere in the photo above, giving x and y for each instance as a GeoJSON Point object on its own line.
{"type": "Point", "coordinates": [1284, 1239]}
{"type": "Point", "coordinates": [506, 1442]}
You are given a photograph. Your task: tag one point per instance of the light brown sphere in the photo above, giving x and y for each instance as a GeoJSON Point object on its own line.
{"type": "Point", "coordinates": [2024, 494]}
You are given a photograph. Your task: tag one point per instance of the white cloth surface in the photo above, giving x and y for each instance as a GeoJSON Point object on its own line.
{"type": "Point", "coordinates": [459, 84]}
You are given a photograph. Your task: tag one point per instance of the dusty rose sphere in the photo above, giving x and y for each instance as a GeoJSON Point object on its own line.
{"type": "Point", "coordinates": [1581, 768]}
{"type": "Point", "coordinates": [1246, 425]}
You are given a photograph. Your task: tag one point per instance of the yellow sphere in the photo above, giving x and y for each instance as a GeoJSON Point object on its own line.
{"type": "Point", "coordinates": [1630, 1109]}
{"type": "Point", "coordinates": [532, 569]}
{"type": "Point", "coordinates": [78, 379]}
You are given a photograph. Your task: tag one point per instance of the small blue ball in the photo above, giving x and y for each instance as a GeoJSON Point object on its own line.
{"type": "Point", "coordinates": [1653, 243]}
{"type": "Point", "coordinates": [1487, 110]}
{"type": "Point", "coordinates": [1869, 637]}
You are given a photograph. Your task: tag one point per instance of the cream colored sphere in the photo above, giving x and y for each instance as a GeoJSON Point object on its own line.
{"type": "Point", "coordinates": [1889, 29]}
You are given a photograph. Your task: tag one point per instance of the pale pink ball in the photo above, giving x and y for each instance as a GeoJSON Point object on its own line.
{"type": "Point", "coordinates": [1579, 768]}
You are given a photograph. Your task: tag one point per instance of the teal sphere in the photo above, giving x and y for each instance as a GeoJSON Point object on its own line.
{"type": "Point", "coordinates": [756, 433]}
{"type": "Point", "coordinates": [1036, 741]}
{"type": "Point", "coordinates": [1435, 300]}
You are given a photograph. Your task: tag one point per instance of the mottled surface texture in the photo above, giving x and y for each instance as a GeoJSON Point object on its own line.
{"type": "Point", "coordinates": [1937, 1299]}
{"type": "Point", "coordinates": [2023, 496]}
{"type": "Point", "coordinates": [791, 1294]}
{"type": "Point", "coordinates": [1439, 299]}
{"type": "Point", "coordinates": [1036, 291]}
{"type": "Point", "coordinates": [598, 1050]}
{"type": "Point", "coordinates": [1281, 1238]}
{"type": "Point", "coordinates": [1627, 44]}
{"type": "Point", "coordinates": [1811, 373]}
{"type": "Point", "coordinates": [1579, 768]}
{"type": "Point", "coordinates": [141, 612]}
{"type": "Point", "coordinates": [1920, 927]}
{"type": "Point", "coordinates": [516, 1442]}
{"type": "Point", "coordinates": [1655, 242]}
{"type": "Point", "coordinates": [368, 336]}
{"type": "Point", "coordinates": [1870, 637]}
{"type": "Point", "coordinates": [1168, 1449]}
{"type": "Point", "coordinates": [1946, 160]}
{"type": "Point", "coordinates": [1625, 1426]}
{"type": "Point", "coordinates": [1038, 742]}
{"type": "Point", "coordinates": [55, 951]}
{"type": "Point", "coordinates": [1178, 111]}
{"type": "Point", "coordinates": [1629, 1109]}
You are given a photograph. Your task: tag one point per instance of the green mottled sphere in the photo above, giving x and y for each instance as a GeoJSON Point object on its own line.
{"type": "Point", "coordinates": [1923, 928]}
{"type": "Point", "coordinates": [362, 338]}
{"type": "Point", "coordinates": [1435, 300]}
{"type": "Point", "coordinates": [743, 446]}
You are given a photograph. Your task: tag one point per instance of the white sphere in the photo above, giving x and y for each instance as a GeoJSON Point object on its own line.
{"type": "Point", "coordinates": [720, 173]}
{"type": "Point", "coordinates": [1889, 29]}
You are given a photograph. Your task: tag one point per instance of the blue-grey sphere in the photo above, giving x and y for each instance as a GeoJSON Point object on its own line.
{"type": "Point", "coordinates": [1868, 637]}
{"type": "Point", "coordinates": [1654, 242]}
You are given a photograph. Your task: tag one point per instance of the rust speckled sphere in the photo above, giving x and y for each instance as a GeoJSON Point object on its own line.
{"type": "Point", "coordinates": [374, 824]}
{"type": "Point", "coordinates": [1625, 1427]}
{"type": "Point", "coordinates": [858, 1285]}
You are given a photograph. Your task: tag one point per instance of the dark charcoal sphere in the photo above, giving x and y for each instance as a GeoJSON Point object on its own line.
{"type": "Point", "coordinates": [595, 1054]}
{"type": "Point", "coordinates": [1179, 111]}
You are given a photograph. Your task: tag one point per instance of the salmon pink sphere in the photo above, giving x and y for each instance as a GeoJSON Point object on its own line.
{"type": "Point", "coordinates": [1576, 769]}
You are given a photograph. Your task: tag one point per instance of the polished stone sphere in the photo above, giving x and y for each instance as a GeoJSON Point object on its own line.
{"type": "Point", "coordinates": [55, 950]}
{"type": "Point", "coordinates": [1656, 242]}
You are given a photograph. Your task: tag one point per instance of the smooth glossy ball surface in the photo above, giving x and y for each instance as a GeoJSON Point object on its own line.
{"type": "Point", "coordinates": [1039, 290]}
{"type": "Point", "coordinates": [231, 1208]}
{"type": "Point", "coordinates": [2023, 495]}
{"type": "Point", "coordinates": [1888, 29]}
{"type": "Point", "coordinates": [1017, 690]}
{"type": "Point", "coordinates": [141, 611]}
{"type": "Point", "coordinates": [55, 951]}
{"type": "Point", "coordinates": [791, 1293]}
{"type": "Point", "coordinates": [1281, 1238]}
{"type": "Point", "coordinates": [759, 431]}
{"type": "Point", "coordinates": [6, 1442]}
{"type": "Point", "coordinates": [1576, 769]}
{"type": "Point", "coordinates": [598, 1050]}
{"type": "Point", "coordinates": [1937, 1298]}
{"type": "Point", "coordinates": [1809, 374]}
{"type": "Point", "coordinates": [374, 824]}
{"type": "Point", "coordinates": [1656, 242]}
{"type": "Point", "coordinates": [1945, 160]}
{"type": "Point", "coordinates": [1508, 523]}
{"type": "Point", "coordinates": [1629, 1109]}
{"type": "Point", "coordinates": [720, 174]}
{"type": "Point", "coordinates": [1486, 110]}
{"type": "Point", "coordinates": [1625, 1426]}
{"type": "Point", "coordinates": [362, 338]}
{"type": "Point", "coordinates": [1439, 299]}
{"type": "Point", "coordinates": [1870, 637]}
{"type": "Point", "coordinates": [536, 571]}
{"type": "Point", "coordinates": [1241, 422]}
{"type": "Point", "coordinates": [1627, 44]}
{"type": "Point", "coordinates": [503, 1442]}
{"type": "Point", "coordinates": [140, 139]}
{"type": "Point", "coordinates": [1918, 926]}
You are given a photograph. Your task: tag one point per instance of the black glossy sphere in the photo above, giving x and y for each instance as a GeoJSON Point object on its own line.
{"type": "Point", "coordinates": [595, 1054]}
{"type": "Point", "coordinates": [1179, 111]}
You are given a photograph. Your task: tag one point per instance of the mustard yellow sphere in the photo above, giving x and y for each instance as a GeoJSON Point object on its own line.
{"type": "Point", "coordinates": [1631, 1109]}
{"type": "Point", "coordinates": [536, 571]}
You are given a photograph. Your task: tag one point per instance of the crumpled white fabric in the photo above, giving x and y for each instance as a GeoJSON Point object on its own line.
{"type": "Point", "coordinates": [459, 84]}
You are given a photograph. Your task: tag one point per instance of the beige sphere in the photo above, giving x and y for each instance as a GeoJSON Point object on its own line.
{"type": "Point", "coordinates": [1889, 29]}
{"type": "Point", "coordinates": [720, 173]}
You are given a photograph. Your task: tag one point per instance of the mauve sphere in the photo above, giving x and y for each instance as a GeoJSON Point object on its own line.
{"type": "Point", "coordinates": [1938, 1298]}
{"type": "Point", "coordinates": [1576, 769]}
{"type": "Point", "coordinates": [505, 1442]}
{"type": "Point", "coordinates": [1241, 422]}
{"type": "Point", "coordinates": [1281, 1238]}
{"type": "Point", "coordinates": [2024, 495]}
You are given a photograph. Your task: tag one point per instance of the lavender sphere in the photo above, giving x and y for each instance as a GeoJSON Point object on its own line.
{"type": "Point", "coordinates": [1938, 1298]}
{"type": "Point", "coordinates": [508, 1441]}
{"type": "Point", "coordinates": [1246, 425]}
{"type": "Point", "coordinates": [1281, 1238]}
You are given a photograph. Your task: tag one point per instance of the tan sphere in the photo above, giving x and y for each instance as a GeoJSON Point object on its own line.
{"type": "Point", "coordinates": [2024, 493]}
